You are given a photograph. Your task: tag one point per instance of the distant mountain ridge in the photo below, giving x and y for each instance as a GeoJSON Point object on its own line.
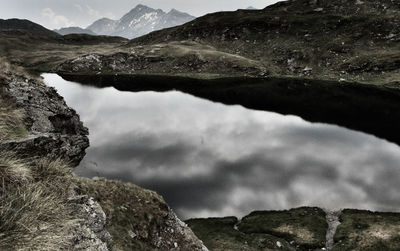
{"type": "Point", "coordinates": [140, 21]}
{"type": "Point", "coordinates": [25, 25]}
{"type": "Point", "coordinates": [103, 26]}
{"type": "Point", "coordinates": [74, 30]}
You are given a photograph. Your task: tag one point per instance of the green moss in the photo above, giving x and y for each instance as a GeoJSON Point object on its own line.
{"type": "Point", "coordinates": [305, 226]}
{"type": "Point", "coordinates": [365, 230]}
{"type": "Point", "coordinates": [219, 234]}
{"type": "Point", "coordinates": [132, 212]}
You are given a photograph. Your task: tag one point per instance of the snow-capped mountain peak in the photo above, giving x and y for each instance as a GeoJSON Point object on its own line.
{"type": "Point", "coordinates": [140, 21]}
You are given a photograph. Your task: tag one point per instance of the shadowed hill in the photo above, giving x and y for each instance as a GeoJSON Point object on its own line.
{"type": "Point", "coordinates": [25, 25]}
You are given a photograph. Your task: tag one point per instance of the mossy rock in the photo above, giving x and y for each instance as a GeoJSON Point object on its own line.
{"type": "Point", "coordinates": [305, 227]}
{"type": "Point", "coordinates": [365, 230]}
{"type": "Point", "coordinates": [220, 234]}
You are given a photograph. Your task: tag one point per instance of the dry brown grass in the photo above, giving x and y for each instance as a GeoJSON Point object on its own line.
{"type": "Point", "coordinates": [12, 125]}
{"type": "Point", "coordinates": [364, 230]}
{"type": "Point", "coordinates": [34, 209]}
{"type": "Point", "coordinates": [377, 234]}
{"type": "Point", "coordinates": [300, 233]}
{"type": "Point", "coordinates": [6, 69]}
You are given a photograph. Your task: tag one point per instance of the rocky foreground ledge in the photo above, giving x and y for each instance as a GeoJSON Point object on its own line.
{"type": "Point", "coordinates": [39, 134]}
{"type": "Point", "coordinates": [54, 129]}
{"type": "Point", "coordinates": [97, 214]}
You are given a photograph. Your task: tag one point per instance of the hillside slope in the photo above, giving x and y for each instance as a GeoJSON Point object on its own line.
{"type": "Point", "coordinates": [43, 53]}
{"type": "Point", "coordinates": [357, 40]}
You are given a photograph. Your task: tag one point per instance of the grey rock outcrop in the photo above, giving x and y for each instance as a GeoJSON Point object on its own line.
{"type": "Point", "coordinates": [175, 227]}
{"type": "Point", "coordinates": [170, 58]}
{"type": "Point", "coordinates": [152, 223]}
{"type": "Point", "coordinates": [56, 132]}
{"type": "Point", "coordinates": [90, 233]}
{"type": "Point", "coordinates": [55, 129]}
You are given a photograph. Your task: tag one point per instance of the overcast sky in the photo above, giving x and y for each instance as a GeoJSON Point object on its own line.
{"type": "Point", "coordinates": [61, 13]}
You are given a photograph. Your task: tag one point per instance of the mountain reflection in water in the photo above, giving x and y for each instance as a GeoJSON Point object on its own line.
{"type": "Point", "coordinates": [209, 159]}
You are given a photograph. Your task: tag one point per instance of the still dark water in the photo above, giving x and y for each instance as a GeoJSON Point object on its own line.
{"type": "Point", "coordinates": [209, 159]}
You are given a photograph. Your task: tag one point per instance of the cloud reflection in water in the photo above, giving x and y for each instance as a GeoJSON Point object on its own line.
{"type": "Point", "coordinates": [209, 159]}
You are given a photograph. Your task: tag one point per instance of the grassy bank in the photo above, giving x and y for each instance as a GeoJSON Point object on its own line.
{"type": "Point", "coordinates": [12, 125]}
{"type": "Point", "coordinates": [34, 209]}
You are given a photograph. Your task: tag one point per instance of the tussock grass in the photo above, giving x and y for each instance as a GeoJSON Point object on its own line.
{"type": "Point", "coordinates": [34, 209]}
{"type": "Point", "coordinates": [12, 125]}
{"type": "Point", "coordinates": [7, 69]}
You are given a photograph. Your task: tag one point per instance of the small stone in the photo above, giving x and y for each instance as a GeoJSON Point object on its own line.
{"type": "Point", "coordinates": [132, 234]}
